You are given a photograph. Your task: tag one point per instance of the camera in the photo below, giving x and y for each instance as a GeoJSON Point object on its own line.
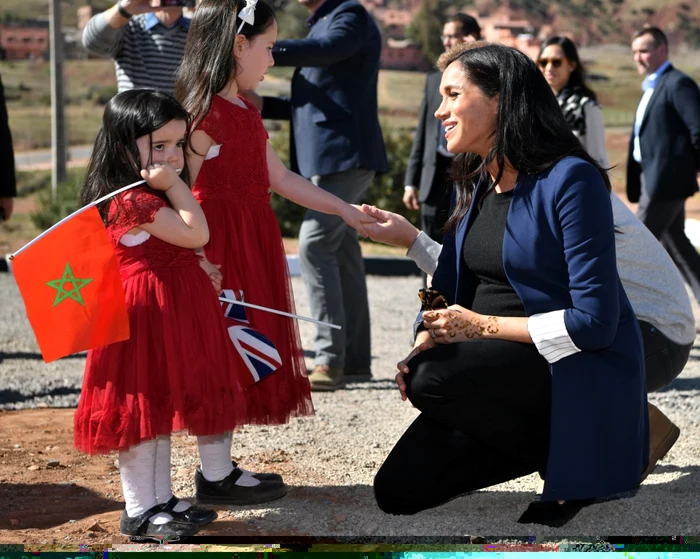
{"type": "Point", "coordinates": [173, 3]}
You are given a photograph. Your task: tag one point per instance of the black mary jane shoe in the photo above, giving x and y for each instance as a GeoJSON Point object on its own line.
{"type": "Point", "coordinates": [141, 528]}
{"type": "Point", "coordinates": [261, 476]}
{"type": "Point", "coordinates": [552, 513]}
{"type": "Point", "coordinates": [226, 492]}
{"type": "Point", "coordinates": [196, 515]}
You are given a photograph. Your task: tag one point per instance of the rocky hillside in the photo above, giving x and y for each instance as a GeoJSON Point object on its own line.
{"type": "Point", "coordinates": [608, 21]}
{"type": "Point", "coordinates": [590, 21]}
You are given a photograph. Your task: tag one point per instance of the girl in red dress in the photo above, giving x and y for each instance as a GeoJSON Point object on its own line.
{"type": "Point", "coordinates": [235, 169]}
{"type": "Point", "coordinates": [174, 372]}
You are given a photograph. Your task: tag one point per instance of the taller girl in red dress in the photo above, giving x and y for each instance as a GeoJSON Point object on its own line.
{"type": "Point", "coordinates": [235, 169]}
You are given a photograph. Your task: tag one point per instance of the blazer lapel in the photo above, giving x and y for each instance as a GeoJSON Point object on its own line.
{"type": "Point", "coordinates": [461, 231]}
{"type": "Point", "coordinates": [660, 85]}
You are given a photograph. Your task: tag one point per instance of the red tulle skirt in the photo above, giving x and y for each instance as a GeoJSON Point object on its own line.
{"type": "Point", "coordinates": [246, 240]}
{"type": "Point", "coordinates": [175, 372]}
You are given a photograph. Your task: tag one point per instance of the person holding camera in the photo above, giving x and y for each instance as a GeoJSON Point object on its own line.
{"type": "Point", "coordinates": [145, 38]}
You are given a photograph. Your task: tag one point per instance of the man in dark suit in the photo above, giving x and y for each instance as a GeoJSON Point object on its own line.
{"type": "Point", "coordinates": [336, 142]}
{"type": "Point", "coordinates": [8, 182]}
{"type": "Point", "coordinates": [664, 151]}
{"type": "Point", "coordinates": [428, 187]}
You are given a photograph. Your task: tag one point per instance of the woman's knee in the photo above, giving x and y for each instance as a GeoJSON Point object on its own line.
{"type": "Point", "coordinates": [393, 496]}
{"type": "Point", "coordinates": [421, 384]}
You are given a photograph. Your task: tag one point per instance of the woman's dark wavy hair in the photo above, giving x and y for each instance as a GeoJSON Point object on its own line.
{"type": "Point", "coordinates": [115, 159]}
{"type": "Point", "coordinates": [530, 132]}
{"type": "Point", "coordinates": [577, 77]}
{"type": "Point", "coordinates": [208, 63]}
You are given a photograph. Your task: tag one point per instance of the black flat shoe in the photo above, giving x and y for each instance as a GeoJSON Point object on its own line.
{"type": "Point", "coordinates": [226, 492]}
{"type": "Point", "coordinates": [140, 528]}
{"type": "Point", "coordinates": [196, 515]}
{"type": "Point", "coordinates": [261, 476]}
{"type": "Point", "coordinates": [551, 513]}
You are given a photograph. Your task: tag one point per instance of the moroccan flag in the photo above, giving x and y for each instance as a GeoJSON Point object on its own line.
{"type": "Point", "coordinates": [69, 280]}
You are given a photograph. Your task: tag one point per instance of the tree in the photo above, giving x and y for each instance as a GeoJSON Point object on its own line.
{"type": "Point", "coordinates": [426, 28]}
{"type": "Point", "coordinates": [291, 19]}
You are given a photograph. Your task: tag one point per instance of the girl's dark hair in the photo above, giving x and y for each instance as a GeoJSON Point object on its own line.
{"type": "Point", "coordinates": [577, 77]}
{"type": "Point", "coordinates": [530, 131]}
{"type": "Point", "coordinates": [208, 63]}
{"type": "Point", "coordinates": [115, 159]}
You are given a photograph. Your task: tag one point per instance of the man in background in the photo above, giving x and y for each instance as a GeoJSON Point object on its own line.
{"type": "Point", "coordinates": [8, 180]}
{"type": "Point", "coordinates": [664, 151]}
{"type": "Point", "coordinates": [146, 43]}
{"type": "Point", "coordinates": [336, 142]}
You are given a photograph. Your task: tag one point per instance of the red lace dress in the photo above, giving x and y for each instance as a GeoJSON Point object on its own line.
{"type": "Point", "coordinates": [174, 371]}
{"type": "Point", "coordinates": [233, 188]}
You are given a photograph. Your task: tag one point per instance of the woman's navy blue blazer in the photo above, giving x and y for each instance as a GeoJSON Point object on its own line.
{"type": "Point", "coordinates": [559, 254]}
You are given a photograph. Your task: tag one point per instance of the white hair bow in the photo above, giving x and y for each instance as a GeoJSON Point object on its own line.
{"type": "Point", "coordinates": [247, 14]}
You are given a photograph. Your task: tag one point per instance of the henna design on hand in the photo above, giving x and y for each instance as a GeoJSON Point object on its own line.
{"type": "Point", "coordinates": [470, 327]}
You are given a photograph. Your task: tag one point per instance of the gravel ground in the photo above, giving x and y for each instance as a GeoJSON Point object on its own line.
{"type": "Point", "coordinates": [334, 455]}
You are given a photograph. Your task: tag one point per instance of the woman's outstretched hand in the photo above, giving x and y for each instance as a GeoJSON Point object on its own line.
{"type": "Point", "coordinates": [423, 342]}
{"type": "Point", "coordinates": [457, 324]}
{"type": "Point", "coordinates": [390, 228]}
{"type": "Point", "coordinates": [356, 218]}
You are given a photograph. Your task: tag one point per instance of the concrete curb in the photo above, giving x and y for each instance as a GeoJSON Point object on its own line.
{"type": "Point", "coordinates": [374, 265]}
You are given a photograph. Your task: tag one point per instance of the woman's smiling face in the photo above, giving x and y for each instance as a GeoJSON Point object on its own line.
{"type": "Point", "coordinates": [468, 116]}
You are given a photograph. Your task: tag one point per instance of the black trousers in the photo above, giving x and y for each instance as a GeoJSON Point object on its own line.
{"type": "Point", "coordinates": [485, 419]}
{"type": "Point", "coordinates": [666, 220]}
{"type": "Point", "coordinates": [664, 359]}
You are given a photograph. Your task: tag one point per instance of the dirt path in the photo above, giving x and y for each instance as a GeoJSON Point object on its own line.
{"type": "Point", "coordinates": [52, 496]}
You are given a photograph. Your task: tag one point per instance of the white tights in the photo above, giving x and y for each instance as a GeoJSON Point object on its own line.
{"type": "Point", "coordinates": [145, 473]}
{"type": "Point", "coordinates": [215, 457]}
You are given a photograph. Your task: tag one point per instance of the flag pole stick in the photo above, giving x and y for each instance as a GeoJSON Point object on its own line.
{"type": "Point", "coordinates": [290, 315]}
{"type": "Point", "coordinates": [76, 212]}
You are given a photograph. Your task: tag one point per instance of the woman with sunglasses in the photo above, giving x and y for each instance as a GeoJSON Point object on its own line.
{"type": "Point", "coordinates": [562, 68]}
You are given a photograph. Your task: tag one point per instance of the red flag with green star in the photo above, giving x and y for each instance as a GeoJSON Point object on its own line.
{"type": "Point", "coordinates": [69, 280]}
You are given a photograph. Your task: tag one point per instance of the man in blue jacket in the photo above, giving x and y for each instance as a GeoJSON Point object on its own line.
{"type": "Point", "coordinates": [336, 142]}
{"type": "Point", "coordinates": [664, 151]}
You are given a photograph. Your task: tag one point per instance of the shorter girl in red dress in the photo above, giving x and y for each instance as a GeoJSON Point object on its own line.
{"type": "Point", "coordinates": [174, 372]}
{"type": "Point", "coordinates": [234, 170]}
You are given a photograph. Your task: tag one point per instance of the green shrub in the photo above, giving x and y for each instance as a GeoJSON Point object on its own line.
{"type": "Point", "coordinates": [51, 211]}
{"type": "Point", "coordinates": [100, 95]}
{"type": "Point", "coordinates": [386, 192]}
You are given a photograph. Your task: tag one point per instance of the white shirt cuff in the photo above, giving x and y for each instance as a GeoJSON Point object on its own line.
{"type": "Point", "coordinates": [548, 332]}
{"type": "Point", "coordinates": [409, 187]}
{"type": "Point", "coordinates": [425, 253]}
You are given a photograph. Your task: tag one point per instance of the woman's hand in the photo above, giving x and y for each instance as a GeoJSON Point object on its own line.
{"type": "Point", "coordinates": [457, 324]}
{"type": "Point", "coordinates": [356, 218]}
{"type": "Point", "coordinates": [390, 228]}
{"type": "Point", "coordinates": [213, 271]}
{"type": "Point", "coordinates": [423, 342]}
{"type": "Point", "coordinates": [160, 176]}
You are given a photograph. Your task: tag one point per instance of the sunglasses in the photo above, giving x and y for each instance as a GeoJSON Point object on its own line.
{"type": "Point", "coordinates": [556, 62]}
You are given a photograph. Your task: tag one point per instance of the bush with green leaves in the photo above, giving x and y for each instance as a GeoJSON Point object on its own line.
{"type": "Point", "coordinates": [386, 192]}
{"type": "Point", "coordinates": [51, 210]}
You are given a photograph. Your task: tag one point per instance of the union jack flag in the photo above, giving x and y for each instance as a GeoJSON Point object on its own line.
{"type": "Point", "coordinates": [258, 353]}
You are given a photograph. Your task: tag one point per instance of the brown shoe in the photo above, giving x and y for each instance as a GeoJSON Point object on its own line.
{"type": "Point", "coordinates": [663, 434]}
{"type": "Point", "coordinates": [325, 378]}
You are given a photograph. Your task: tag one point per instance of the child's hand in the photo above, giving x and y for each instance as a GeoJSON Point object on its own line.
{"type": "Point", "coordinates": [160, 176]}
{"type": "Point", "coordinates": [213, 272]}
{"type": "Point", "coordinates": [356, 218]}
